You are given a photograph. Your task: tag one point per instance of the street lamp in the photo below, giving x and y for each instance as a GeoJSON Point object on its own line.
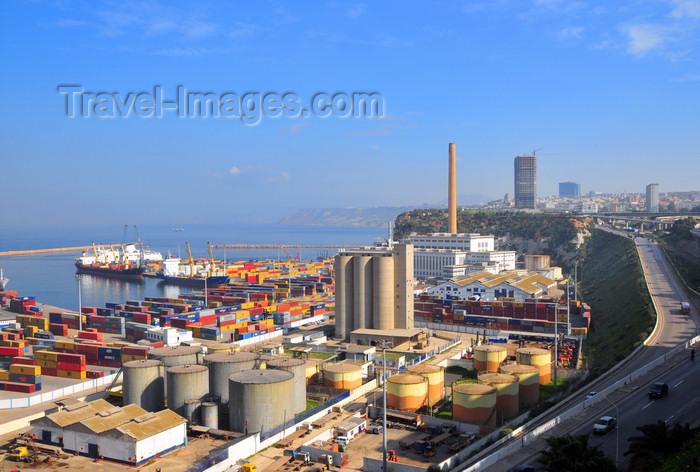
{"type": "Point", "coordinates": [617, 432]}
{"type": "Point", "coordinates": [385, 344]}
{"type": "Point", "coordinates": [80, 302]}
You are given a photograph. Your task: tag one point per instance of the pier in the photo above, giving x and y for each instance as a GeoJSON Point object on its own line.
{"type": "Point", "coordinates": [28, 252]}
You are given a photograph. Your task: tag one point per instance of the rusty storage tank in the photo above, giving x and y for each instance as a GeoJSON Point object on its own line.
{"type": "Point", "coordinates": [529, 380]}
{"type": "Point", "coordinates": [144, 384]}
{"type": "Point", "coordinates": [345, 376]}
{"type": "Point", "coordinates": [192, 410]}
{"type": "Point", "coordinates": [507, 389]}
{"type": "Point", "coordinates": [312, 369]}
{"type": "Point", "coordinates": [540, 358]}
{"type": "Point", "coordinates": [406, 392]}
{"type": "Point", "coordinates": [474, 403]}
{"type": "Point", "coordinates": [487, 357]}
{"type": "Point", "coordinates": [187, 382]}
{"type": "Point", "coordinates": [260, 399]}
{"type": "Point", "coordinates": [224, 364]}
{"type": "Point", "coordinates": [214, 348]}
{"type": "Point", "coordinates": [210, 415]}
{"type": "Point", "coordinates": [177, 355]}
{"type": "Point", "coordinates": [536, 262]}
{"type": "Point", "coordinates": [436, 380]}
{"type": "Point", "coordinates": [298, 368]}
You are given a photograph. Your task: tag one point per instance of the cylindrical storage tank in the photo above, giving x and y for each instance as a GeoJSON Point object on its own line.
{"type": "Point", "coordinates": [474, 403]}
{"type": "Point", "coordinates": [173, 356]}
{"type": "Point", "coordinates": [187, 382]}
{"type": "Point", "coordinates": [536, 262]}
{"type": "Point", "coordinates": [540, 358]}
{"type": "Point", "coordinates": [210, 415]}
{"type": "Point", "coordinates": [487, 357]}
{"type": "Point", "coordinates": [312, 369]}
{"type": "Point", "coordinates": [260, 399]}
{"type": "Point", "coordinates": [144, 384]}
{"type": "Point", "coordinates": [383, 296]}
{"type": "Point", "coordinates": [344, 311]}
{"type": "Point", "coordinates": [219, 347]}
{"type": "Point", "coordinates": [436, 380]}
{"type": "Point", "coordinates": [406, 392]}
{"type": "Point", "coordinates": [192, 409]}
{"type": "Point", "coordinates": [298, 368]}
{"type": "Point", "coordinates": [224, 364]}
{"type": "Point", "coordinates": [529, 380]}
{"type": "Point", "coordinates": [507, 389]}
{"type": "Point", "coordinates": [362, 286]}
{"type": "Point", "coordinates": [344, 376]}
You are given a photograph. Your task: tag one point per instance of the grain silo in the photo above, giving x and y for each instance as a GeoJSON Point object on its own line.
{"type": "Point", "coordinates": [362, 292]}
{"type": "Point", "coordinates": [259, 400]}
{"type": "Point", "coordinates": [474, 403]}
{"type": "Point", "coordinates": [210, 415]}
{"type": "Point", "coordinates": [507, 388]}
{"type": "Point", "coordinates": [540, 358]}
{"type": "Point", "coordinates": [487, 357]}
{"type": "Point", "coordinates": [174, 356]}
{"type": "Point", "coordinates": [344, 310]}
{"type": "Point", "coordinates": [298, 368]}
{"type": "Point", "coordinates": [383, 296]}
{"type": "Point", "coordinates": [224, 364]}
{"type": "Point", "coordinates": [436, 380]}
{"type": "Point", "coordinates": [144, 384]}
{"type": "Point", "coordinates": [344, 376]}
{"type": "Point", "coordinates": [406, 392]}
{"type": "Point", "coordinates": [529, 380]}
{"type": "Point", "coordinates": [187, 382]}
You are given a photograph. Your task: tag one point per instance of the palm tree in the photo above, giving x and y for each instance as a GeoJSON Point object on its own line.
{"type": "Point", "coordinates": [574, 454]}
{"type": "Point", "coordinates": [656, 443]}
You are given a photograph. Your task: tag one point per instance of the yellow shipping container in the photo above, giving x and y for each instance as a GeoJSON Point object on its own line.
{"type": "Point", "coordinates": [46, 363]}
{"type": "Point", "coordinates": [30, 331]}
{"type": "Point", "coordinates": [196, 331]}
{"type": "Point", "coordinates": [245, 306]}
{"type": "Point", "coordinates": [227, 328]}
{"type": "Point", "coordinates": [119, 344]}
{"type": "Point", "coordinates": [47, 355]}
{"type": "Point", "coordinates": [71, 374]}
{"type": "Point", "coordinates": [132, 357]}
{"type": "Point", "coordinates": [5, 375]}
{"type": "Point", "coordinates": [25, 369]}
{"type": "Point", "coordinates": [67, 345]}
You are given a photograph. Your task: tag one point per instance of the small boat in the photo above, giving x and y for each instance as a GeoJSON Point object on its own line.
{"type": "Point", "coordinates": [178, 229]}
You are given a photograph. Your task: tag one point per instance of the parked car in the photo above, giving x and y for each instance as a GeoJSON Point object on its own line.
{"type": "Point", "coordinates": [591, 395]}
{"type": "Point", "coordinates": [604, 424]}
{"type": "Point", "coordinates": [658, 390]}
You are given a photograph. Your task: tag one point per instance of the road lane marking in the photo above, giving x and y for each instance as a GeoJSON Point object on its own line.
{"type": "Point", "coordinates": [678, 384]}
{"type": "Point", "coordinates": [647, 405]}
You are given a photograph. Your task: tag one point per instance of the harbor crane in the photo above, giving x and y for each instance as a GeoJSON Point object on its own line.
{"type": "Point", "coordinates": [289, 256]}
{"type": "Point", "coordinates": [191, 260]}
{"type": "Point", "coordinates": [211, 258]}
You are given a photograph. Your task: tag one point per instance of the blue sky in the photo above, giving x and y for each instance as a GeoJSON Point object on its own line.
{"type": "Point", "coordinates": [609, 90]}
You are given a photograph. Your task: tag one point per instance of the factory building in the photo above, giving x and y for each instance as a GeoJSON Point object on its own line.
{"type": "Point", "coordinates": [525, 172]}
{"type": "Point", "coordinates": [467, 242]}
{"type": "Point", "coordinates": [129, 435]}
{"type": "Point", "coordinates": [433, 262]}
{"type": "Point", "coordinates": [374, 289]}
{"type": "Point", "coordinates": [512, 284]}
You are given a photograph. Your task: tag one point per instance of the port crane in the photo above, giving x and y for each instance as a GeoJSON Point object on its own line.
{"type": "Point", "coordinates": [191, 260]}
{"type": "Point", "coordinates": [211, 258]}
{"type": "Point", "coordinates": [289, 256]}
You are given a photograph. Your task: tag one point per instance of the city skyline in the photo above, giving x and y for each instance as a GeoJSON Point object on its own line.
{"type": "Point", "coordinates": [608, 93]}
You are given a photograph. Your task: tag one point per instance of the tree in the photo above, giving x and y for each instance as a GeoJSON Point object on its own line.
{"type": "Point", "coordinates": [574, 454]}
{"type": "Point", "coordinates": [657, 443]}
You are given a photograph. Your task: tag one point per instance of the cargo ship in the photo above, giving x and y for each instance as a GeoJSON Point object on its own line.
{"type": "Point", "coordinates": [116, 271]}
{"type": "Point", "coordinates": [130, 263]}
{"type": "Point", "coordinates": [190, 274]}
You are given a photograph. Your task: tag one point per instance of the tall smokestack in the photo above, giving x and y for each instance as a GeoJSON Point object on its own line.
{"type": "Point", "coordinates": [452, 192]}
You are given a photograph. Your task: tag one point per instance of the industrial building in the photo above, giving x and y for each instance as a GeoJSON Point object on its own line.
{"type": "Point", "coordinates": [445, 263]}
{"type": "Point", "coordinates": [569, 190]}
{"type": "Point", "coordinates": [467, 242]}
{"type": "Point", "coordinates": [652, 202]}
{"type": "Point", "coordinates": [525, 181]}
{"type": "Point", "coordinates": [374, 289]}
{"type": "Point", "coordinates": [129, 435]}
{"type": "Point", "coordinates": [513, 284]}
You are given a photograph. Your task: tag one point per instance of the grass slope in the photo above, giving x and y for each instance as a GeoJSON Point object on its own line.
{"type": "Point", "coordinates": [622, 314]}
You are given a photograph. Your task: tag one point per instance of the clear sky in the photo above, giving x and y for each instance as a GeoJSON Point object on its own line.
{"type": "Point", "coordinates": [608, 90]}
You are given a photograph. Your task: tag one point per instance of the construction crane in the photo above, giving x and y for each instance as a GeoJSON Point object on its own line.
{"type": "Point", "coordinates": [191, 260]}
{"type": "Point", "coordinates": [289, 256]}
{"type": "Point", "coordinates": [534, 153]}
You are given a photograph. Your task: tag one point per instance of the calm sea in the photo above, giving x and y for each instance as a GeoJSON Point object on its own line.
{"type": "Point", "coordinates": [51, 277]}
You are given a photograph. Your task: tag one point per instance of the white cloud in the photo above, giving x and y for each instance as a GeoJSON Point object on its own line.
{"type": "Point", "coordinates": [685, 9]}
{"type": "Point", "coordinates": [571, 32]}
{"type": "Point", "coordinates": [234, 171]}
{"type": "Point", "coordinates": [356, 10]}
{"type": "Point", "coordinates": [644, 37]}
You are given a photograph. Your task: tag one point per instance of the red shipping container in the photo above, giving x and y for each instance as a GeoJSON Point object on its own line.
{"type": "Point", "coordinates": [208, 319]}
{"type": "Point", "coordinates": [157, 344]}
{"type": "Point", "coordinates": [11, 351]}
{"type": "Point", "coordinates": [69, 366]}
{"type": "Point", "coordinates": [23, 360]}
{"type": "Point", "coordinates": [49, 371]}
{"type": "Point", "coordinates": [19, 387]}
{"type": "Point", "coordinates": [104, 363]}
{"type": "Point", "coordinates": [58, 329]}
{"type": "Point", "coordinates": [94, 374]}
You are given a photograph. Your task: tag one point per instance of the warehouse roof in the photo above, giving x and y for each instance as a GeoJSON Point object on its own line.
{"type": "Point", "coordinates": [106, 420]}
{"type": "Point", "coordinates": [74, 413]}
{"type": "Point", "coordinates": [147, 425]}
{"type": "Point", "coordinates": [396, 333]}
{"type": "Point", "coordinates": [529, 282]}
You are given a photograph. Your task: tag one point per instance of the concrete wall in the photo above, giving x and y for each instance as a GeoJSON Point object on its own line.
{"type": "Point", "coordinates": [118, 449]}
{"type": "Point", "coordinates": [162, 441]}
{"type": "Point", "coordinates": [376, 465]}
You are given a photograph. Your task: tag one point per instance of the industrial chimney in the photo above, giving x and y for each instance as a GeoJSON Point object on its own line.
{"type": "Point", "coordinates": [452, 192]}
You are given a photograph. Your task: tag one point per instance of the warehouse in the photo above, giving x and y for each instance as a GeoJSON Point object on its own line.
{"type": "Point", "coordinates": [129, 435]}
{"type": "Point", "coordinates": [517, 285]}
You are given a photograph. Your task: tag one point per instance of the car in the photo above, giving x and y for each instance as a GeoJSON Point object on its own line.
{"type": "Point", "coordinates": [658, 390]}
{"type": "Point", "coordinates": [591, 395]}
{"type": "Point", "coordinates": [604, 424]}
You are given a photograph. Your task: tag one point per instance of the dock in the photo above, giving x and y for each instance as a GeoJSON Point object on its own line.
{"type": "Point", "coordinates": [28, 252]}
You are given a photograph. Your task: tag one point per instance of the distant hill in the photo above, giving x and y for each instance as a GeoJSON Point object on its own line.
{"type": "Point", "coordinates": [369, 217]}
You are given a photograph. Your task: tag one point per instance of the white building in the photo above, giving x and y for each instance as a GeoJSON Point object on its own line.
{"type": "Point", "coordinates": [169, 336]}
{"type": "Point", "coordinates": [467, 242]}
{"type": "Point", "coordinates": [432, 262]}
{"type": "Point", "coordinates": [129, 435]}
{"type": "Point", "coordinates": [513, 284]}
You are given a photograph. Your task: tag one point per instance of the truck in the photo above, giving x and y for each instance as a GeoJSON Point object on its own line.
{"type": "Point", "coordinates": [685, 308]}
{"type": "Point", "coordinates": [409, 441]}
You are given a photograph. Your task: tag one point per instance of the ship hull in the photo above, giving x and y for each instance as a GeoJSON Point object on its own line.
{"type": "Point", "coordinates": [212, 281]}
{"type": "Point", "coordinates": [130, 273]}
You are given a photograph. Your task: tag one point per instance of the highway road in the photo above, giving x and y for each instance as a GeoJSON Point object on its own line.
{"type": "Point", "coordinates": [632, 403]}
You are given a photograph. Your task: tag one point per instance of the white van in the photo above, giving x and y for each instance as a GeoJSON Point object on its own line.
{"type": "Point", "coordinates": [344, 440]}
